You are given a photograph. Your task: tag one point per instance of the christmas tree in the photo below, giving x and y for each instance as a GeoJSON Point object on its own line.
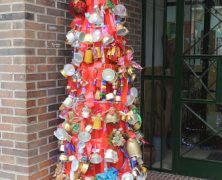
{"type": "Point", "coordinates": [100, 137]}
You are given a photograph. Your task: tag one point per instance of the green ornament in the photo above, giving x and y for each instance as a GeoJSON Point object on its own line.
{"type": "Point", "coordinates": [75, 128]}
{"type": "Point", "coordinates": [109, 4]}
{"type": "Point", "coordinates": [139, 118]}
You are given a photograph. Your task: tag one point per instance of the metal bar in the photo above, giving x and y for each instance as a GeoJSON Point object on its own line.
{"type": "Point", "coordinates": [219, 82]}
{"type": "Point", "coordinates": [201, 119]}
{"type": "Point", "coordinates": [177, 82]}
{"type": "Point", "coordinates": [152, 122]}
{"type": "Point", "coordinates": [150, 77]}
{"type": "Point", "coordinates": [205, 72]}
{"type": "Point", "coordinates": [205, 140]}
{"type": "Point", "coordinates": [219, 57]}
{"type": "Point", "coordinates": [163, 82]}
{"type": "Point", "coordinates": [213, 13]}
{"type": "Point", "coordinates": [143, 57]}
{"type": "Point", "coordinates": [164, 38]}
{"type": "Point", "coordinates": [205, 35]}
{"type": "Point", "coordinates": [191, 14]}
{"type": "Point", "coordinates": [154, 35]}
{"type": "Point", "coordinates": [202, 83]}
{"type": "Point", "coordinates": [197, 101]}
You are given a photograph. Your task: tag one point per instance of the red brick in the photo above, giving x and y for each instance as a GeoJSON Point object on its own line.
{"type": "Point", "coordinates": [5, 8]}
{"type": "Point", "coordinates": [6, 127]}
{"type": "Point", "coordinates": [48, 116]}
{"type": "Point", "coordinates": [46, 19]}
{"type": "Point", "coordinates": [35, 26]}
{"type": "Point", "coordinates": [6, 143]}
{"type": "Point", "coordinates": [62, 21]}
{"type": "Point", "coordinates": [7, 159]}
{"type": "Point", "coordinates": [49, 177]}
{"type": "Point", "coordinates": [20, 152]}
{"type": "Point", "coordinates": [21, 112]}
{"type": "Point", "coordinates": [6, 77]}
{"type": "Point", "coordinates": [7, 175]}
{"type": "Point", "coordinates": [36, 94]}
{"type": "Point", "coordinates": [23, 177]}
{"type": "Point", "coordinates": [47, 52]}
{"type": "Point", "coordinates": [47, 163]}
{"type": "Point", "coordinates": [55, 12]}
{"type": "Point", "coordinates": [46, 84]}
{"type": "Point", "coordinates": [7, 110]}
{"type": "Point", "coordinates": [13, 85]}
{"type": "Point", "coordinates": [46, 3]}
{"type": "Point", "coordinates": [55, 76]}
{"type": "Point", "coordinates": [56, 60]}
{"type": "Point", "coordinates": [14, 136]}
{"type": "Point", "coordinates": [14, 103]}
{"type": "Point", "coordinates": [46, 148]}
{"type": "Point", "coordinates": [38, 110]}
{"type": "Point", "coordinates": [46, 100]}
{"type": "Point", "coordinates": [6, 60]}
{"type": "Point", "coordinates": [20, 169]}
{"type": "Point", "coordinates": [46, 68]}
{"type": "Point", "coordinates": [29, 60]}
{"type": "Point", "coordinates": [40, 174]}
{"type": "Point", "coordinates": [22, 128]}
{"type": "Point", "coordinates": [33, 77]}
{"type": "Point", "coordinates": [31, 145]}
{"type": "Point", "coordinates": [46, 132]}
{"type": "Point", "coordinates": [46, 35]}
{"type": "Point", "coordinates": [5, 93]}
{"type": "Point", "coordinates": [18, 120]}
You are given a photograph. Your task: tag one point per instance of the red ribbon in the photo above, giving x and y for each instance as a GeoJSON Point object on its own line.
{"type": "Point", "coordinates": [109, 21]}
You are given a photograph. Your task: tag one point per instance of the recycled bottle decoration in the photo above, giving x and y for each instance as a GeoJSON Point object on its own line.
{"type": "Point", "coordinates": [100, 136]}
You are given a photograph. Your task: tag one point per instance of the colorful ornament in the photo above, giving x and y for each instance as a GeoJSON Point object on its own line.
{"type": "Point", "coordinates": [101, 128]}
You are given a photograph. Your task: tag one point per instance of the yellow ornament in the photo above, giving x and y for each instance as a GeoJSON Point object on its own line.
{"type": "Point", "coordinates": [97, 122]}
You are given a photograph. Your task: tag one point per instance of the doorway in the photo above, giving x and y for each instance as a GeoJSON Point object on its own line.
{"type": "Point", "coordinates": [157, 81]}
{"type": "Point", "coordinates": [182, 86]}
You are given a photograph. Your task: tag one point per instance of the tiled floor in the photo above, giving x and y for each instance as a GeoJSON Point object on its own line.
{"type": "Point", "coordinates": [153, 175]}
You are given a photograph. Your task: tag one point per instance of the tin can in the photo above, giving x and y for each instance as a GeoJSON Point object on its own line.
{"type": "Point", "coordinates": [133, 162]}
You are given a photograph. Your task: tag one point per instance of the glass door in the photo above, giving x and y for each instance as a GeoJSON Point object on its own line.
{"type": "Point", "coordinates": [157, 81]}
{"type": "Point", "coordinates": [198, 89]}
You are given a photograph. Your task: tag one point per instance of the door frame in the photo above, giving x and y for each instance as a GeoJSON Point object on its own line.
{"type": "Point", "coordinates": [181, 165]}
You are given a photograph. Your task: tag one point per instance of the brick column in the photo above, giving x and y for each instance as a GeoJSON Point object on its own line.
{"type": "Point", "coordinates": [134, 25]}
{"type": "Point", "coordinates": [32, 52]}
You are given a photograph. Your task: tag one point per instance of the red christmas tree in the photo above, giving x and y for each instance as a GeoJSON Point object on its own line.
{"type": "Point", "coordinates": [100, 137]}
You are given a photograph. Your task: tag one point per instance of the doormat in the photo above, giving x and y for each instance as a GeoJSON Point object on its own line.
{"type": "Point", "coordinates": [216, 156]}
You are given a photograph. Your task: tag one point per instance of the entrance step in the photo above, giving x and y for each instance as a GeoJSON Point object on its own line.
{"type": "Point", "coordinates": [154, 175]}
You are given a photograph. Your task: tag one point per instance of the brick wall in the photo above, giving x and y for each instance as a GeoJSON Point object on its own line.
{"type": "Point", "coordinates": [32, 52]}
{"type": "Point", "coordinates": [134, 25]}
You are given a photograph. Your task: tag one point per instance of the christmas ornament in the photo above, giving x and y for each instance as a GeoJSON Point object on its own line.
{"type": "Point", "coordinates": [100, 138]}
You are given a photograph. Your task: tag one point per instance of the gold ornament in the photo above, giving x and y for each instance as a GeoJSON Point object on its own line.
{"type": "Point", "coordinates": [84, 167]}
{"type": "Point", "coordinates": [97, 53]}
{"type": "Point", "coordinates": [97, 122]}
{"type": "Point", "coordinates": [137, 126]}
{"type": "Point", "coordinates": [133, 148]}
{"type": "Point", "coordinates": [66, 126]}
{"type": "Point", "coordinates": [97, 95]}
{"type": "Point", "coordinates": [88, 58]}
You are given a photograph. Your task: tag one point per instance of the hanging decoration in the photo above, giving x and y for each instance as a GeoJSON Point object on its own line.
{"type": "Point", "coordinates": [100, 137]}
